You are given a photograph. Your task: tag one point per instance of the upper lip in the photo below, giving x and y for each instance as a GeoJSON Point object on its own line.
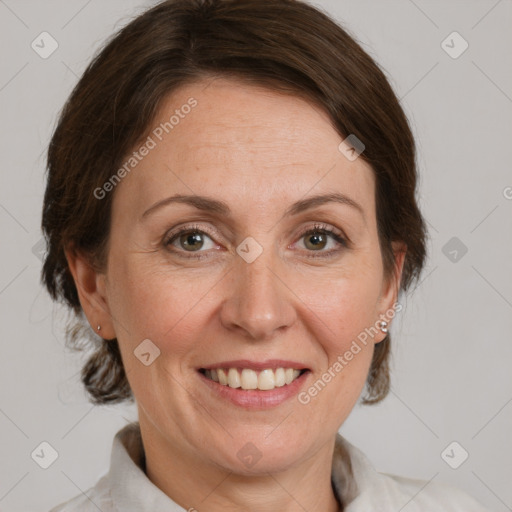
{"type": "Point", "coordinates": [256, 365]}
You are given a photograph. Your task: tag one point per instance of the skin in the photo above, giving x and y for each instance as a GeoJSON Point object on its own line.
{"type": "Point", "coordinates": [258, 151]}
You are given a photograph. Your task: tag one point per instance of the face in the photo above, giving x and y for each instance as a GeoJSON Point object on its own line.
{"type": "Point", "coordinates": [247, 273]}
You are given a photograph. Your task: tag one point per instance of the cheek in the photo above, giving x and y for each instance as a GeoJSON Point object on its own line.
{"type": "Point", "coordinates": [347, 344]}
{"type": "Point", "coordinates": [353, 308]}
{"type": "Point", "coordinates": [344, 339]}
{"type": "Point", "coordinates": [154, 303]}
{"type": "Point", "coordinates": [345, 303]}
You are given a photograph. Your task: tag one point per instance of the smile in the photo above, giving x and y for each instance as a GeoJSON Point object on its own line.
{"type": "Point", "coordinates": [249, 379]}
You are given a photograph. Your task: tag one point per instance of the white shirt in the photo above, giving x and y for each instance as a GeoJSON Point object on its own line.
{"type": "Point", "coordinates": [126, 488]}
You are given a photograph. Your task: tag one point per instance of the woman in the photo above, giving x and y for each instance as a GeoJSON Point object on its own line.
{"type": "Point", "coordinates": [230, 208]}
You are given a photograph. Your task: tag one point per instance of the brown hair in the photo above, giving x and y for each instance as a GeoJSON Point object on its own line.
{"type": "Point", "coordinates": [284, 45]}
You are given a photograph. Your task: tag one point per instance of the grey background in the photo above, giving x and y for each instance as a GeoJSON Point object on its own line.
{"type": "Point", "coordinates": [452, 378]}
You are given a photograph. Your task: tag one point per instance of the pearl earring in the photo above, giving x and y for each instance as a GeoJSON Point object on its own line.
{"type": "Point", "coordinates": [383, 326]}
{"type": "Point", "coordinates": [98, 328]}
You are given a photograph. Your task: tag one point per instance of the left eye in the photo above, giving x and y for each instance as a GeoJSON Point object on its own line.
{"type": "Point", "coordinates": [317, 239]}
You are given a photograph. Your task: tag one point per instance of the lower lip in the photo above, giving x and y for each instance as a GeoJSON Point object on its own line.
{"type": "Point", "coordinates": [256, 399]}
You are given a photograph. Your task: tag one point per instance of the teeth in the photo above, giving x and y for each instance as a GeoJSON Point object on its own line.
{"type": "Point", "coordinates": [234, 378]}
{"type": "Point", "coordinates": [266, 380]}
{"type": "Point", "coordinates": [288, 375]}
{"type": "Point", "coordinates": [279, 379]}
{"type": "Point", "coordinates": [223, 378]}
{"type": "Point", "coordinates": [249, 379]}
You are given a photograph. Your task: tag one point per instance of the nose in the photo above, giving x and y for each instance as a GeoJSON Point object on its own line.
{"type": "Point", "coordinates": [260, 303]}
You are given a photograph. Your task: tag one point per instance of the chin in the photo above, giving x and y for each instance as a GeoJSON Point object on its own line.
{"type": "Point", "coordinates": [258, 454]}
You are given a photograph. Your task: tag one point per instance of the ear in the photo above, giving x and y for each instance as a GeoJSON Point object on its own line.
{"type": "Point", "coordinates": [90, 284]}
{"type": "Point", "coordinates": [390, 288]}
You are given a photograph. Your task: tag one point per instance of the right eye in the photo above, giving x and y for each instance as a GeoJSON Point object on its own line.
{"type": "Point", "coordinates": [188, 239]}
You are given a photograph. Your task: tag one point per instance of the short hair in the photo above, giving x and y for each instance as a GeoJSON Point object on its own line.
{"type": "Point", "coordinates": [283, 45]}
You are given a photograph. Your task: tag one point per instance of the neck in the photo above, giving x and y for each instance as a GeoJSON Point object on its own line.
{"type": "Point", "coordinates": [197, 485]}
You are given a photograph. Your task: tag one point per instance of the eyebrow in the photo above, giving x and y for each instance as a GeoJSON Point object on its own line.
{"type": "Point", "coordinates": [220, 207]}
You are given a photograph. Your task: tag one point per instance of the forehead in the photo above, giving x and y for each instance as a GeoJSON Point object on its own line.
{"type": "Point", "coordinates": [250, 145]}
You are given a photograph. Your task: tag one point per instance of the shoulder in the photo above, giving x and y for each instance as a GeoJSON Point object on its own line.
{"type": "Point", "coordinates": [92, 500]}
{"type": "Point", "coordinates": [377, 491]}
{"type": "Point", "coordinates": [427, 495]}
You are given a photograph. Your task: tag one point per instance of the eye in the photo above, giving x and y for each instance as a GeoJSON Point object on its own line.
{"type": "Point", "coordinates": [317, 238]}
{"type": "Point", "coordinates": [189, 239]}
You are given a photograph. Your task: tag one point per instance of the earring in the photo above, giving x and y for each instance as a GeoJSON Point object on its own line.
{"type": "Point", "coordinates": [98, 328]}
{"type": "Point", "coordinates": [383, 326]}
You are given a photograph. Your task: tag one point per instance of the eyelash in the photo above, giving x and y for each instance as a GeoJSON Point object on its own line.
{"type": "Point", "coordinates": [317, 228]}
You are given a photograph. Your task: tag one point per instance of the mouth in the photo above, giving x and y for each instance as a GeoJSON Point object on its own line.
{"type": "Point", "coordinates": [253, 376]}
